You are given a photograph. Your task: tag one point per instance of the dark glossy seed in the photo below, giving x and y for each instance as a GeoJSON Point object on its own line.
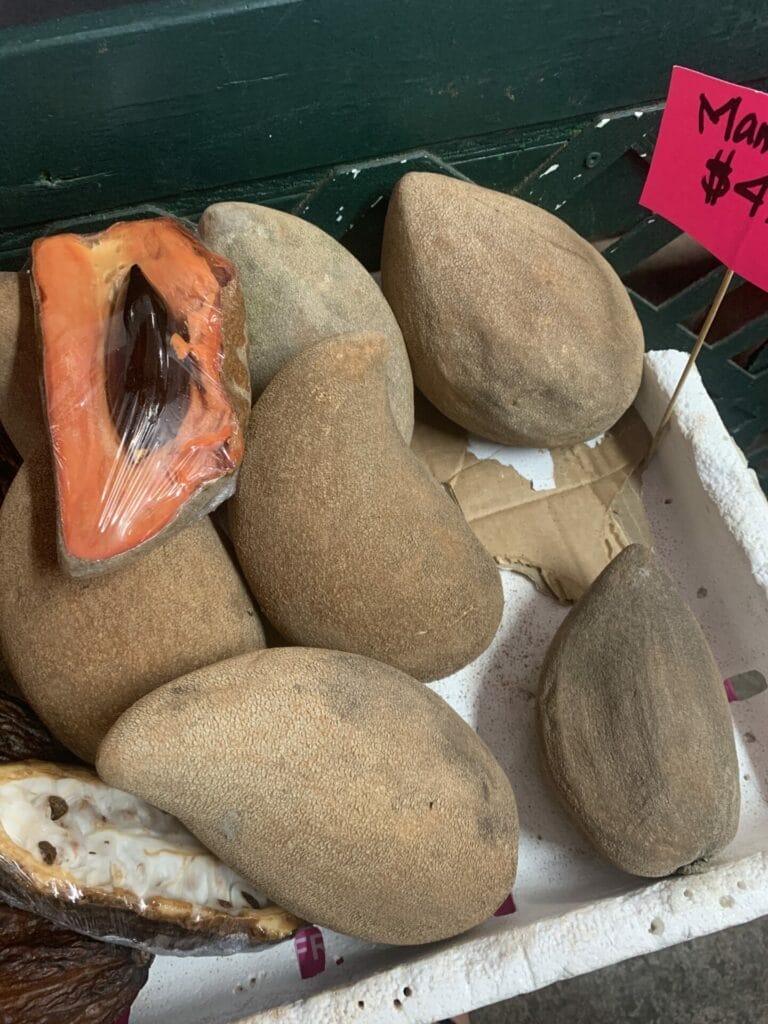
{"type": "Point", "coordinates": [47, 852]}
{"type": "Point", "coordinates": [59, 807]}
{"type": "Point", "coordinates": [147, 380]}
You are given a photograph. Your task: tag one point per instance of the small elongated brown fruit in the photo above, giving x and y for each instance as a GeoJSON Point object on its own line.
{"type": "Point", "coordinates": [345, 790]}
{"type": "Point", "coordinates": [634, 723]}
{"type": "Point", "coordinates": [82, 651]}
{"type": "Point", "coordinates": [345, 537]}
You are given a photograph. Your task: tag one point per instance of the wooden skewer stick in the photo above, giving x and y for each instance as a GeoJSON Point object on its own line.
{"type": "Point", "coordinates": [701, 338]}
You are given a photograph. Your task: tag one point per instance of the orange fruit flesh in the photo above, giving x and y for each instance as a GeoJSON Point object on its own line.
{"type": "Point", "coordinates": [112, 497]}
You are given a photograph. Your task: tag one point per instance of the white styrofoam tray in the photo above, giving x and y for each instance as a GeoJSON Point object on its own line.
{"type": "Point", "coordinates": [574, 912]}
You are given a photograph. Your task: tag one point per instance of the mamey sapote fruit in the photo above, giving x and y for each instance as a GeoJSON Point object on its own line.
{"type": "Point", "coordinates": [346, 539]}
{"type": "Point", "coordinates": [20, 407]}
{"type": "Point", "coordinates": [634, 723]}
{"type": "Point", "coordinates": [50, 975]}
{"type": "Point", "coordinates": [517, 328]}
{"type": "Point", "coordinates": [83, 650]}
{"type": "Point", "coordinates": [146, 384]}
{"type": "Point", "coordinates": [301, 286]}
{"type": "Point", "coordinates": [93, 858]}
{"type": "Point", "coordinates": [348, 792]}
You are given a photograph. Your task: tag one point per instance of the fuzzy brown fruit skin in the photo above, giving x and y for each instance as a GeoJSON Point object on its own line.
{"type": "Point", "coordinates": [302, 286]}
{"type": "Point", "coordinates": [349, 792]}
{"type": "Point", "coordinates": [344, 536]}
{"type": "Point", "coordinates": [82, 651]}
{"type": "Point", "coordinates": [21, 409]}
{"type": "Point", "coordinates": [516, 327]}
{"type": "Point", "coordinates": [634, 723]}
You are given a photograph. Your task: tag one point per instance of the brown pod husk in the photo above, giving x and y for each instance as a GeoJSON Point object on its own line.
{"type": "Point", "coordinates": [634, 723]}
{"type": "Point", "coordinates": [355, 796]}
{"type": "Point", "coordinates": [102, 862]}
{"type": "Point", "coordinates": [23, 735]}
{"type": "Point", "coordinates": [50, 975]}
{"type": "Point", "coordinates": [147, 393]}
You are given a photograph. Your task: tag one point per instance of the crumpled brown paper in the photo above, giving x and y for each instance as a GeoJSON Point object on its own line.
{"type": "Point", "coordinates": [561, 538]}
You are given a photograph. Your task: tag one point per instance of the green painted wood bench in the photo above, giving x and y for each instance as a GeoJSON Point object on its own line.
{"type": "Point", "coordinates": [318, 106]}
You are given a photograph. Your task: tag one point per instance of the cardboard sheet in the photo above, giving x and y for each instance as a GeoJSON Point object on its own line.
{"type": "Point", "coordinates": [558, 517]}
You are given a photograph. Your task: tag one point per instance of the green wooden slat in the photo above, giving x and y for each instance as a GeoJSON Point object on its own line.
{"type": "Point", "coordinates": [696, 297]}
{"type": "Point", "coordinates": [747, 336]}
{"type": "Point", "coordinates": [183, 95]}
{"type": "Point", "coordinates": [498, 170]}
{"type": "Point", "coordinates": [346, 192]}
{"type": "Point", "coordinates": [640, 242]}
{"type": "Point", "coordinates": [660, 332]}
{"type": "Point", "coordinates": [607, 204]}
{"type": "Point", "coordinates": [585, 157]}
{"type": "Point", "coordinates": [760, 365]}
{"type": "Point", "coordinates": [747, 434]}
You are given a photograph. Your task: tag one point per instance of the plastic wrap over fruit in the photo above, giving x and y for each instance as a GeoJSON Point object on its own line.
{"type": "Point", "coordinates": [107, 864]}
{"type": "Point", "coordinates": [146, 387]}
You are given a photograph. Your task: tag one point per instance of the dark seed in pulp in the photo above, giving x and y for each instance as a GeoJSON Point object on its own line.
{"type": "Point", "coordinates": [147, 378]}
{"type": "Point", "coordinates": [59, 807]}
{"type": "Point", "coordinates": [47, 852]}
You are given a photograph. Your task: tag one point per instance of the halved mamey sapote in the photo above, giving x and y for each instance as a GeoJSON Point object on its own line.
{"type": "Point", "coordinates": [103, 862]}
{"type": "Point", "coordinates": [146, 383]}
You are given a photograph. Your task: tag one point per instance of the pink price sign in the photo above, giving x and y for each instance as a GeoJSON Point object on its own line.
{"type": "Point", "coordinates": [709, 173]}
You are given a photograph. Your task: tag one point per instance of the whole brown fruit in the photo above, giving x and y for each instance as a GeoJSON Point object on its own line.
{"type": "Point", "coordinates": [301, 286]}
{"type": "Point", "coordinates": [634, 723]}
{"type": "Point", "coordinates": [82, 651]}
{"type": "Point", "coordinates": [340, 787]}
{"type": "Point", "coordinates": [345, 538]}
{"type": "Point", "coordinates": [516, 327]}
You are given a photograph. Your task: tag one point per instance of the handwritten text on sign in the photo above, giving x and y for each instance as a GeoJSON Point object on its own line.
{"type": "Point", "coordinates": [709, 173]}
